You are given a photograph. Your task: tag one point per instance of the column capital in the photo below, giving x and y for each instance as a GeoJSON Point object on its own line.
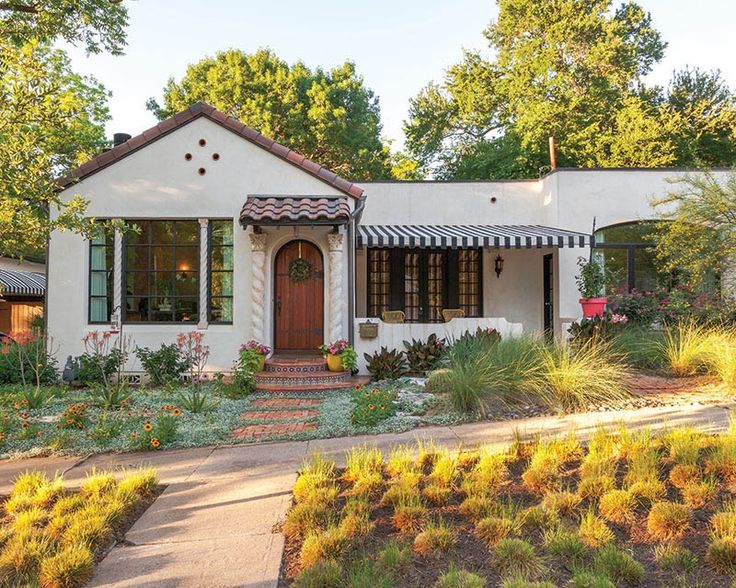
{"type": "Point", "coordinates": [204, 222]}
{"type": "Point", "coordinates": [335, 241]}
{"type": "Point", "coordinates": [258, 241]}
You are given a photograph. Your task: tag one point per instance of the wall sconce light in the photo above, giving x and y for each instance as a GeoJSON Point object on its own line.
{"type": "Point", "coordinates": [498, 265]}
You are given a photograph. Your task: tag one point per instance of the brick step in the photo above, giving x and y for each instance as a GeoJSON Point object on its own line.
{"type": "Point", "coordinates": [286, 402]}
{"type": "Point", "coordinates": [287, 379]}
{"type": "Point", "coordinates": [280, 414]}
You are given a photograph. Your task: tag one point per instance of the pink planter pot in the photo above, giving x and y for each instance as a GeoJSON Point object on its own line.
{"type": "Point", "coordinates": [593, 307]}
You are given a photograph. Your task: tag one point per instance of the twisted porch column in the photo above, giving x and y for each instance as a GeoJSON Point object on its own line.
{"type": "Point", "coordinates": [335, 241]}
{"type": "Point", "coordinates": [204, 285]}
{"type": "Point", "coordinates": [258, 284]}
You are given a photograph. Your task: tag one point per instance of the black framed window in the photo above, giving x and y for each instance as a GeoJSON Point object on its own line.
{"type": "Point", "coordinates": [469, 287]}
{"type": "Point", "coordinates": [627, 251]}
{"type": "Point", "coordinates": [379, 281]}
{"type": "Point", "coordinates": [424, 282]}
{"type": "Point", "coordinates": [101, 263]}
{"type": "Point", "coordinates": [161, 281]}
{"type": "Point", "coordinates": [221, 271]}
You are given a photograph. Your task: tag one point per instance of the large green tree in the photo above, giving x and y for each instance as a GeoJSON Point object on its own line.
{"type": "Point", "coordinates": [97, 25]}
{"type": "Point", "coordinates": [51, 119]}
{"type": "Point", "coordinates": [328, 116]}
{"type": "Point", "coordinates": [574, 70]}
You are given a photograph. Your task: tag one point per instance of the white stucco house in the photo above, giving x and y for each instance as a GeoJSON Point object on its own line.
{"type": "Point", "coordinates": [224, 213]}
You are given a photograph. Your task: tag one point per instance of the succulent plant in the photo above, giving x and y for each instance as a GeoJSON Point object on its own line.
{"type": "Point", "coordinates": [424, 355]}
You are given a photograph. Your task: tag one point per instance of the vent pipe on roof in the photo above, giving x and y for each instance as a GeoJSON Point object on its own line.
{"type": "Point", "coordinates": [552, 154]}
{"type": "Point", "coordinates": [119, 139]}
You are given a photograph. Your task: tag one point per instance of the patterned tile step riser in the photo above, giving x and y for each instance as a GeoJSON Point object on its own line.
{"type": "Point", "coordinates": [284, 368]}
{"type": "Point", "coordinates": [337, 379]}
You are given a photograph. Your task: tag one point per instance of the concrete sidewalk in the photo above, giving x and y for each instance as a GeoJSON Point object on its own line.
{"type": "Point", "coordinates": [212, 527]}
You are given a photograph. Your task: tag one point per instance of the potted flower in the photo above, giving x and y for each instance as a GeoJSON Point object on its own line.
{"type": "Point", "coordinates": [591, 280]}
{"type": "Point", "coordinates": [257, 350]}
{"type": "Point", "coordinates": [340, 356]}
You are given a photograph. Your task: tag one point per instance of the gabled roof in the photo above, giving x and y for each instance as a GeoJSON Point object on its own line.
{"type": "Point", "coordinates": [198, 110]}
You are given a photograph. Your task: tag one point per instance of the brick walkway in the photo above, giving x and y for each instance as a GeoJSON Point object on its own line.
{"type": "Point", "coordinates": [272, 430]}
{"type": "Point", "coordinates": [290, 415]}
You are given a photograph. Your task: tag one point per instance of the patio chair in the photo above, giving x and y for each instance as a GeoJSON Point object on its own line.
{"type": "Point", "coordinates": [450, 313]}
{"type": "Point", "coordinates": [393, 316]}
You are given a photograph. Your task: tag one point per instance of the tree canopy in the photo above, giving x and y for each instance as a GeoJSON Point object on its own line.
{"type": "Point", "coordinates": [328, 116]}
{"type": "Point", "coordinates": [98, 25]}
{"type": "Point", "coordinates": [51, 121]}
{"type": "Point", "coordinates": [51, 118]}
{"type": "Point", "coordinates": [575, 70]}
{"type": "Point", "coordinates": [701, 233]}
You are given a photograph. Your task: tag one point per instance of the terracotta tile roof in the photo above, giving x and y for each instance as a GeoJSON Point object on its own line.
{"type": "Point", "coordinates": [270, 209]}
{"type": "Point", "coordinates": [200, 109]}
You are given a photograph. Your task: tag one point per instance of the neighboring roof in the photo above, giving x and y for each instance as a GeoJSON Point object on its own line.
{"type": "Point", "coordinates": [19, 283]}
{"type": "Point", "coordinates": [504, 236]}
{"type": "Point", "coordinates": [199, 110]}
{"type": "Point", "coordinates": [303, 209]}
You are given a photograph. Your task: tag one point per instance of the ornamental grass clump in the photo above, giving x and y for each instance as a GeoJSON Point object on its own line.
{"type": "Point", "coordinates": [517, 557]}
{"type": "Point", "coordinates": [492, 529]}
{"type": "Point", "coordinates": [320, 545]}
{"type": "Point", "coordinates": [436, 537]}
{"type": "Point", "coordinates": [688, 348]}
{"type": "Point", "coordinates": [565, 545]}
{"type": "Point", "coordinates": [316, 480]}
{"type": "Point", "coordinates": [561, 503]}
{"type": "Point", "coordinates": [617, 506]}
{"type": "Point", "coordinates": [543, 474]}
{"type": "Point", "coordinates": [618, 565]}
{"type": "Point", "coordinates": [674, 558]}
{"type": "Point", "coordinates": [409, 515]}
{"type": "Point", "coordinates": [594, 530]}
{"type": "Point", "coordinates": [457, 578]}
{"type": "Point", "coordinates": [364, 470]}
{"type": "Point", "coordinates": [50, 536]}
{"type": "Point", "coordinates": [575, 378]}
{"type": "Point", "coordinates": [668, 521]}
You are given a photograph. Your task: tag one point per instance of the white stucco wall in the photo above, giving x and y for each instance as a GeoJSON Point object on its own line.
{"type": "Point", "coordinates": [157, 182]}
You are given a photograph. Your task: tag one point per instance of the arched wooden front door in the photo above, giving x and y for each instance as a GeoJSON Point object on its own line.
{"type": "Point", "coordinates": [299, 308]}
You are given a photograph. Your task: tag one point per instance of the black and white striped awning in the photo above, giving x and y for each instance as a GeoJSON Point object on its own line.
{"type": "Point", "coordinates": [499, 236]}
{"type": "Point", "coordinates": [20, 283]}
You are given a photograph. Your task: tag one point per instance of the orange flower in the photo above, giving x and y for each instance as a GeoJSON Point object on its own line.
{"type": "Point", "coordinates": [371, 407]}
{"type": "Point", "coordinates": [176, 412]}
{"type": "Point", "coordinates": [358, 386]}
{"type": "Point", "coordinates": [383, 407]}
{"type": "Point", "coordinates": [148, 426]}
{"type": "Point", "coordinates": [69, 421]}
{"type": "Point", "coordinates": [155, 442]}
{"type": "Point", "coordinates": [25, 425]}
{"type": "Point", "coordinates": [134, 436]}
{"type": "Point", "coordinates": [376, 390]}
{"type": "Point", "coordinates": [23, 415]}
{"type": "Point", "coordinates": [2, 436]}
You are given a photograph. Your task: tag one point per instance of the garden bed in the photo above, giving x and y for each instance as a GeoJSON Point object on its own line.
{"type": "Point", "coordinates": [50, 536]}
{"type": "Point", "coordinates": [625, 510]}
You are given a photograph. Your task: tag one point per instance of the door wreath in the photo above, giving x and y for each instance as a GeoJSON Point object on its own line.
{"type": "Point", "coordinates": [300, 269]}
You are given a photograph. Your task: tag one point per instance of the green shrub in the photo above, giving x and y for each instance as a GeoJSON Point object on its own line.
{"type": "Point", "coordinates": [386, 365]}
{"type": "Point", "coordinates": [423, 356]}
{"type": "Point", "coordinates": [516, 556]}
{"type": "Point", "coordinates": [164, 365]}
{"type": "Point", "coordinates": [372, 405]}
{"type": "Point", "coordinates": [323, 574]}
{"type": "Point", "coordinates": [25, 360]}
{"type": "Point", "coordinates": [95, 371]}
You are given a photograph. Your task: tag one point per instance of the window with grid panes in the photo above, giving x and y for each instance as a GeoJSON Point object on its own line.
{"type": "Point", "coordinates": [101, 259]}
{"type": "Point", "coordinates": [221, 271]}
{"type": "Point", "coordinates": [468, 278]}
{"type": "Point", "coordinates": [379, 282]}
{"type": "Point", "coordinates": [161, 282]}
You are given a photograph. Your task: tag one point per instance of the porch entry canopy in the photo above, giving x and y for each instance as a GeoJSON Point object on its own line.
{"type": "Point", "coordinates": [453, 236]}
{"type": "Point", "coordinates": [20, 283]}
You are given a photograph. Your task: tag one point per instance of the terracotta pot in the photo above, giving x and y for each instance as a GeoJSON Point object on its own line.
{"type": "Point", "coordinates": [334, 363]}
{"type": "Point", "coordinates": [593, 307]}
